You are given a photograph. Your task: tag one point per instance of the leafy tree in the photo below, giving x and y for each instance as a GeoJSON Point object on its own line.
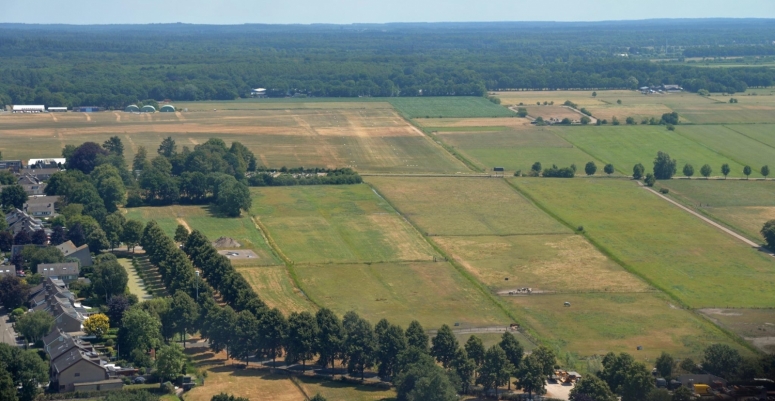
{"type": "Point", "coordinates": [330, 336]}
{"type": "Point", "coordinates": [630, 121]}
{"type": "Point", "coordinates": [496, 369]}
{"type": "Point", "coordinates": [117, 305]}
{"type": "Point", "coordinates": [725, 170]}
{"type": "Point", "coordinates": [590, 168]}
{"type": "Point", "coordinates": [168, 148]}
{"type": "Point", "coordinates": [547, 359]}
{"type": "Point", "coordinates": [34, 325]}
{"type": "Point", "coordinates": [615, 120]}
{"type": "Point", "coordinates": [768, 232]}
{"type": "Point", "coordinates": [659, 394]}
{"type": "Point", "coordinates": [464, 369]}
{"type": "Point", "coordinates": [76, 234]}
{"type": "Point", "coordinates": [227, 397]}
{"type": "Point", "coordinates": [688, 365]}
{"type": "Point", "coordinates": [132, 233]}
{"type": "Point", "coordinates": [637, 171]}
{"type": "Point", "coordinates": [97, 240]}
{"type": "Point", "coordinates": [683, 394]}
{"type": "Point", "coordinates": [6, 241]}
{"type": "Point", "coordinates": [593, 388]}
{"type": "Point", "coordinates": [273, 328]}
{"type": "Point", "coordinates": [181, 234]}
{"type": "Point", "coordinates": [109, 278]}
{"type": "Point", "coordinates": [536, 168]}
{"type": "Point", "coordinates": [13, 292]}
{"type": "Point", "coordinates": [531, 377]}
{"type": "Point", "coordinates": [85, 157]}
{"type": "Point", "coordinates": [184, 312]}
{"type": "Point", "coordinates": [444, 345]}
{"type": "Point", "coordinates": [475, 350]}
{"type": "Point", "coordinates": [58, 235]}
{"type": "Point", "coordinates": [609, 169]}
{"type": "Point", "coordinates": [246, 336]}
{"type": "Point", "coordinates": [670, 118]}
{"type": "Point", "coordinates": [140, 159]}
{"type": "Point", "coordinates": [688, 170]}
{"type": "Point", "coordinates": [39, 237]}
{"type": "Point", "coordinates": [615, 370]}
{"type": "Point", "coordinates": [765, 171]}
{"type": "Point", "coordinates": [96, 325]}
{"type": "Point", "coordinates": [637, 384]}
{"type": "Point", "coordinates": [302, 332]}
{"type": "Point", "coordinates": [170, 361]}
{"type": "Point", "coordinates": [747, 171]}
{"type": "Point", "coordinates": [513, 349]}
{"type": "Point", "coordinates": [22, 238]}
{"type": "Point", "coordinates": [664, 166]}
{"type": "Point", "coordinates": [7, 387]}
{"type": "Point", "coordinates": [585, 120]}
{"type": "Point", "coordinates": [416, 336]}
{"type": "Point", "coordinates": [721, 360]}
{"type": "Point", "coordinates": [13, 197]}
{"type": "Point", "coordinates": [360, 344]}
{"type": "Point", "coordinates": [664, 365]}
{"type": "Point", "coordinates": [232, 197]}
{"type": "Point", "coordinates": [594, 94]}
{"type": "Point", "coordinates": [139, 331]}
{"type": "Point", "coordinates": [26, 369]}
{"type": "Point", "coordinates": [424, 380]}
{"type": "Point", "coordinates": [114, 146]}
{"type": "Point", "coordinates": [706, 171]}
{"type": "Point", "coordinates": [392, 342]}
{"type": "Point", "coordinates": [114, 228]}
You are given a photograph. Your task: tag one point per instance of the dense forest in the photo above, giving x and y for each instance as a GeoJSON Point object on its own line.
{"type": "Point", "coordinates": [116, 65]}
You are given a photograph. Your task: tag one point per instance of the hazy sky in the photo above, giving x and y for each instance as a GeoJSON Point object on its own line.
{"type": "Point", "coordinates": [349, 11]}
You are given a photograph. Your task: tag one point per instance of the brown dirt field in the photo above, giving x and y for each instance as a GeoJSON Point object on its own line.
{"type": "Point", "coordinates": [544, 262]}
{"type": "Point", "coordinates": [254, 383]}
{"type": "Point", "coordinates": [755, 325]}
{"type": "Point", "coordinates": [473, 122]}
{"type": "Point", "coordinates": [547, 112]}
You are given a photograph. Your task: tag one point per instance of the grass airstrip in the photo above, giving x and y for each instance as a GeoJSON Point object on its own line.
{"type": "Point", "coordinates": [433, 242]}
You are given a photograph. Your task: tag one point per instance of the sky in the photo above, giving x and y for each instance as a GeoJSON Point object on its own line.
{"type": "Point", "coordinates": [370, 11]}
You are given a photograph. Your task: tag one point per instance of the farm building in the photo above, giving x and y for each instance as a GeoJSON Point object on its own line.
{"type": "Point", "coordinates": [148, 109]}
{"type": "Point", "coordinates": [57, 109]}
{"type": "Point", "coordinates": [132, 109]}
{"type": "Point", "coordinates": [28, 108]}
{"type": "Point", "coordinates": [167, 108]}
{"type": "Point", "coordinates": [47, 163]}
{"type": "Point", "coordinates": [87, 109]}
{"type": "Point", "coordinates": [258, 92]}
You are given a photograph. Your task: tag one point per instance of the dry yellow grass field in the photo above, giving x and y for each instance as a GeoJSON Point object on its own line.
{"type": "Point", "coordinates": [273, 284]}
{"type": "Point", "coordinates": [551, 263]}
{"type": "Point", "coordinates": [510, 122]}
{"type": "Point", "coordinates": [582, 98]}
{"type": "Point", "coordinates": [552, 112]}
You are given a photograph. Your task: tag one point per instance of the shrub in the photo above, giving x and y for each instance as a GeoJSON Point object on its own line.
{"type": "Point", "coordinates": [650, 179]}
{"type": "Point", "coordinates": [556, 172]}
{"type": "Point", "coordinates": [664, 190]}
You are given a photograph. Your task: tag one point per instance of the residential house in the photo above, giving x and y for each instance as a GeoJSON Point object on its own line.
{"type": "Point", "coordinates": [7, 270]}
{"type": "Point", "coordinates": [76, 366]}
{"type": "Point", "coordinates": [52, 162]}
{"type": "Point", "coordinates": [42, 174]}
{"type": "Point", "coordinates": [41, 206]}
{"type": "Point", "coordinates": [67, 272]}
{"type": "Point", "coordinates": [13, 165]}
{"type": "Point", "coordinates": [81, 253]}
{"type": "Point", "coordinates": [32, 185]}
{"type": "Point", "coordinates": [53, 297]}
{"type": "Point", "coordinates": [18, 220]}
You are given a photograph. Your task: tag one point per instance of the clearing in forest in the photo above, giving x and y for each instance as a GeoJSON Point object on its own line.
{"type": "Point", "coordinates": [336, 224]}
{"type": "Point", "coordinates": [465, 206]}
{"type": "Point", "coordinates": [673, 250]}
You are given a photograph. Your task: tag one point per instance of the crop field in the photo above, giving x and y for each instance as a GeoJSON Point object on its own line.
{"type": "Point", "coordinates": [465, 206]}
{"type": "Point", "coordinates": [242, 229]}
{"type": "Point", "coordinates": [762, 133]}
{"type": "Point", "coordinates": [449, 106]}
{"type": "Point", "coordinates": [755, 325]}
{"type": "Point", "coordinates": [432, 293]}
{"type": "Point", "coordinates": [744, 205]}
{"type": "Point", "coordinates": [595, 324]}
{"type": "Point", "coordinates": [517, 149]}
{"type": "Point", "coordinates": [582, 98]}
{"type": "Point", "coordinates": [731, 144]}
{"type": "Point", "coordinates": [273, 284]}
{"type": "Point", "coordinates": [726, 113]}
{"type": "Point", "coordinates": [462, 124]}
{"type": "Point", "coordinates": [552, 112]}
{"type": "Point", "coordinates": [637, 111]}
{"type": "Point", "coordinates": [625, 146]}
{"type": "Point", "coordinates": [335, 224]}
{"type": "Point", "coordinates": [369, 140]}
{"type": "Point", "coordinates": [676, 252]}
{"type": "Point", "coordinates": [551, 263]}
{"type": "Point", "coordinates": [285, 103]}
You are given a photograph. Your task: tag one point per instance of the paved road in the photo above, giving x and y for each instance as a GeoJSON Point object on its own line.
{"type": "Point", "coordinates": [7, 334]}
{"type": "Point", "coordinates": [709, 221]}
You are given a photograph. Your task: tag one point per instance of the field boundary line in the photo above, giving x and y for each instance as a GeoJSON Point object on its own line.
{"type": "Point", "coordinates": [462, 271]}
{"type": "Point", "coordinates": [586, 152]}
{"type": "Point", "coordinates": [438, 142]}
{"type": "Point", "coordinates": [749, 137]}
{"type": "Point", "coordinates": [425, 175]}
{"type": "Point", "coordinates": [711, 149]}
{"type": "Point", "coordinates": [734, 337]}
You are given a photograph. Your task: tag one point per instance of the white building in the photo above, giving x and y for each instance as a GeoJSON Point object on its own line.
{"type": "Point", "coordinates": [52, 161]}
{"type": "Point", "coordinates": [57, 109]}
{"type": "Point", "coordinates": [258, 92]}
{"type": "Point", "coordinates": [29, 108]}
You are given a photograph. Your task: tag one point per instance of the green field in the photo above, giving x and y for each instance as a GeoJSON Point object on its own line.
{"type": "Point", "coordinates": [449, 106]}
{"type": "Point", "coordinates": [551, 263]}
{"type": "Point", "coordinates": [744, 205]}
{"type": "Point", "coordinates": [625, 146]}
{"type": "Point", "coordinates": [730, 144]}
{"type": "Point", "coordinates": [432, 293]}
{"type": "Point", "coordinates": [465, 206]}
{"type": "Point", "coordinates": [274, 286]}
{"type": "Point", "coordinates": [336, 224]}
{"type": "Point", "coordinates": [517, 149]}
{"type": "Point", "coordinates": [762, 133]}
{"type": "Point", "coordinates": [671, 249]}
{"type": "Point", "coordinates": [596, 324]}
{"type": "Point", "coordinates": [242, 229]}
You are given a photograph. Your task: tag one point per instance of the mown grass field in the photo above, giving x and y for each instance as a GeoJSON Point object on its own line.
{"type": "Point", "coordinates": [335, 224]}
{"type": "Point", "coordinates": [242, 228]}
{"type": "Point", "coordinates": [465, 206]}
{"type": "Point", "coordinates": [273, 284]}
{"type": "Point", "coordinates": [595, 324]}
{"type": "Point", "coordinates": [517, 149]}
{"type": "Point", "coordinates": [727, 142]}
{"type": "Point", "coordinates": [762, 133]}
{"type": "Point", "coordinates": [744, 205]}
{"type": "Point", "coordinates": [755, 325]}
{"type": "Point", "coordinates": [432, 293]}
{"type": "Point", "coordinates": [551, 263]}
{"type": "Point", "coordinates": [582, 98]}
{"type": "Point", "coordinates": [676, 252]}
{"type": "Point", "coordinates": [625, 146]}
{"type": "Point", "coordinates": [450, 106]}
